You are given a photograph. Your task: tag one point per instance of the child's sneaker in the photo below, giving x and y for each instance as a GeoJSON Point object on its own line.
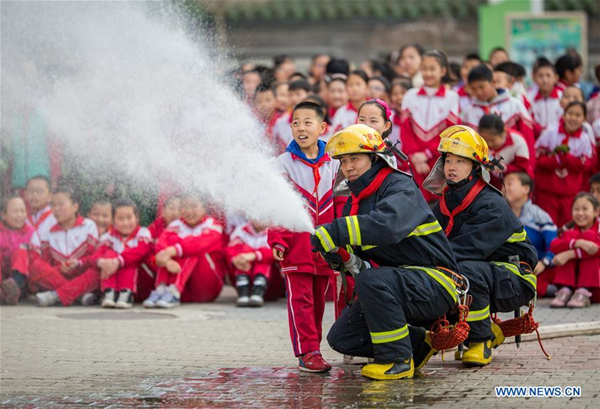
{"type": "Point", "coordinates": [259, 287]}
{"type": "Point", "coordinates": [562, 297]}
{"type": "Point", "coordinates": [89, 299]}
{"type": "Point", "coordinates": [168, 300]}
{"type": "Point", "coordinates": [47, 299]}
{"type": "Point", "coordinates": [242, 285]}
{"type": "Point", "coordinates": [125, 299]}
{"type": "Point", "coordinates": [313, 362]}
{"type": "Point", "coordinates": [109, 298]}
{"type": "Point", "coordinates": [155, 295]}
{"type": "Point", "coordinates": [581, 299]}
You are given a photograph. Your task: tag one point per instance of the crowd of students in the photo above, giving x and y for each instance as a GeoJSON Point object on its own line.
{"type": "Point", "coordinates": [547, 137]}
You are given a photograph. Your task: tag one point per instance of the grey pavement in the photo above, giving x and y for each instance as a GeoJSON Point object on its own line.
{"type": "Point", "coordinates": [217, 355]}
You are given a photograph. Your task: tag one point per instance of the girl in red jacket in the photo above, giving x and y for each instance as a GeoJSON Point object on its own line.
{"type": "Point", "coordinates": [14, 238]}
{"type": "Point", "coordinates": [60, 260]}
{"type": "Point", "coordinates": [252, 259]}
{"type": "Point", "coordinates": [399, 88]}
{"type": "Point", "coordinates": [426, 111]}
{"type": "Point", "coordinates": [577, 256]}
{"type": "Point", "coordinates": [189, 254]}
{"type": "Point", "coordinates": [565, 156]}
{"type": "Point", "coordinates": [123, 249]}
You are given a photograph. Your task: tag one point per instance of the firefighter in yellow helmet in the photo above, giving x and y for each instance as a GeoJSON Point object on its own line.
{"type": "Point", "coordinates": [387, 222]}
{"type": "Point", "coordinates": [488, 240]}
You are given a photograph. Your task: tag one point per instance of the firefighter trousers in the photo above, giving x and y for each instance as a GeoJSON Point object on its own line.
{"type": "Point", "coordinates": [495, 287]}
{"type": "Point", "coordinates": [390, 298]}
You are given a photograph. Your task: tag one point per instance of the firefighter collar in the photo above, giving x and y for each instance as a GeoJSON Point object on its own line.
{"type": "Point", "coordinates": [365, 180]}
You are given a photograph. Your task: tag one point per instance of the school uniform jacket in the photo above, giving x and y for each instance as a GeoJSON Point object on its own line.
{"type": "Point", "coordinates": [567, 241]}
{"type": "Point", "coordinates": [425, 113]}
{"type": "Point", "coordinates": [515, 154]}
{"type": "Point", "coordinates": [314, 182]}
{"type": "Point", "coordinates": [546, 110]}
{"type": "Point", "coordinates": [131, 250]}
{"type": "Point", "coordinates": [281, 130]}
{"type": "Point", "coordinates": [564, 174]}
{"type": "Point", "coordinates": [42, 221]}
{"type": "Point", "coordinates": [58, 246]}
{"type": "Point", "coordinates": [343, 118]}
{"type": "Point", "coordinates": [192, 241]}
{"type": "Point", "coordinates": [244, 237]}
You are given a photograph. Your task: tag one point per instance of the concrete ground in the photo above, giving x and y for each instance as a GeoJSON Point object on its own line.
{"type": "Point", "coordinates": [217, 355]}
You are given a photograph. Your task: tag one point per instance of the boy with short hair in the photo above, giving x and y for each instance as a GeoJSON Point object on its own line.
{"type": "Point", "coordinates": [298, 92]}
{"type": "Point", "coordinates": [546, 102]}
{"type": "Point", "coordinates": [264, 107]}
{"type": "Point", "coordinates": [471, 61]}
{"type": "Point", "coordinates": [307, 275]}
{"type": "Point", "coordinates": [508, 75]}
{"type": "Point", "coordinates": [38, 196]}
{"type": "Point", "coordinates": [489, 100]}
{"type": "Point", "coordinates": [568, 68]}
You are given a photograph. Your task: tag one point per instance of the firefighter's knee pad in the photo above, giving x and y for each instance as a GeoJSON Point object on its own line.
{"type": "Point", "coordinates": [478, 354]}
{"type": "Point", "coordinates": [394, 370]}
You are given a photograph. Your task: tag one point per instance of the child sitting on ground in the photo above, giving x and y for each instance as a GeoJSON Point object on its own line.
{"type": "Point", "coordinates": [60, 260]}
{"type": "Point", "coordinates": [14, 238]}
{"type": "Point", "coordinates": [577, 259]}
{"type": "Point", "coordinates": [101, 214]}
{"type": "Point", "coordinates": [252, 259]}
{"type": "Point", "coordinates": [38, 196]}
{"type": "Point", "coordinates": [170, 211]}
{"type": "Point", "coordinates": [123, 249]}
{"type": "Point", "coordinates": [189, 257]}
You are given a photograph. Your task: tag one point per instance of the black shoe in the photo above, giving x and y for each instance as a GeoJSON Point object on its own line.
{"type": "Point", "coordinates": [259, 288]}
{"type": "Point", "coordinates": [125, 300]}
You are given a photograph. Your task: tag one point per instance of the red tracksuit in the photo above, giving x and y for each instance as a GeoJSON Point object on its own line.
{"type": "Point", "coordinates": [425, 113]}
{"type": "Point", "coordinates": [307, 275]}
{"type": "Point", "coordinates": [584, 271]}
{"type": "Point", "coordinates": [51, 251]}
{"type": "Point", "coordinates": [13, 250]}
{"type": "Point", "coordinates": [511, 110]}
{"type": "Point", "coordinates": [130, 251]}
{"type": "Point", "coordinates": [245, 239]}
{"type": "Point", "coordinates": [560, 176]}
{"type": "Point", "coordinates": [199, 253]}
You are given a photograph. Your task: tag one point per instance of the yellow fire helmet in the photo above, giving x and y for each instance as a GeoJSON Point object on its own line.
{"type": "Point", "coordinates": [462, 141]}
{"type": "Point", "coordinates": [356, 138]}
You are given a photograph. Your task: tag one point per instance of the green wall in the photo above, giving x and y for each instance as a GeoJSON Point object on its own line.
{"type": "Point", "coordinates": [492, 26]}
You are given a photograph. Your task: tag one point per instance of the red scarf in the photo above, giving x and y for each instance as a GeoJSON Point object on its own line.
{"type": "Point", "coordinates": [369, 190]}
{"type": "Point", "coordinates": [465, 203]}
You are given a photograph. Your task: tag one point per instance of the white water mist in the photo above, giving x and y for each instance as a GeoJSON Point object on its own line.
{"type": "Point", "coordinates": [129, 93]}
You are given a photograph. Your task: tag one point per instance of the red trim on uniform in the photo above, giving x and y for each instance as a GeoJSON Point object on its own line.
{"type": "Point", "coordinates": [554, 94]}
{"type": "Point", "coordinates": [78, 222]}
{"type": "Point", "coordinates": [369, 190]}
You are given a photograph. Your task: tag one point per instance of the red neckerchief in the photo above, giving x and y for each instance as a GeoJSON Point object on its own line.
{"type": "Point", "coordinates": [118, 235]}
{"type": "Point", "coordinates": [553, 94]}
{"type": "Point", "coordinates": [369, 190]}
{"type": "Point", "coordinates": [441, 92]}
{"type": "Point", "coordinates": [563, 130]}
{"type": "Point", "coordinates": [40, 220]}
{"type": "Point", "coordinates": [396, 118]}
{"type": "Point", "coordinates": [351, 107]}
{"type": "Point", "coordinates": [464, 204]}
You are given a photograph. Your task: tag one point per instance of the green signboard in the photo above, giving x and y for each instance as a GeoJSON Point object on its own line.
{"type": "Point", "coordinates": [529, 36]}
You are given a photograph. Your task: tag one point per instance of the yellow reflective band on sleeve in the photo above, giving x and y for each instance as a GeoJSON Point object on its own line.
{"type": "Point", "coordinates": [530, 278]}
{"type": "Point", "coordinates": [325, 238]}
{"type": "Point", "coordinates": [441, 278]}
{"type": "Point", "coordinates": [425, 229]}
{"type": "Point", "coordinates": [479, 315]}
{"type": "Point", "coordinates": [389, 336]}
{"type": "Point", "coordinates": [353, 231]}
{"type": "Point", "coordinates": [365, 248]}
{"type": "Point", "coordinates": [517, 237]}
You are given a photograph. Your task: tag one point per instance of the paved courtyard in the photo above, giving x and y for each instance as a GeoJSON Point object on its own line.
{"type": "Point", "coordinates": [217, 355]}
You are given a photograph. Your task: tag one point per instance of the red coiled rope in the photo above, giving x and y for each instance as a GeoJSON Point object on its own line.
{"type": "Point", "coordinates": [525, 324]}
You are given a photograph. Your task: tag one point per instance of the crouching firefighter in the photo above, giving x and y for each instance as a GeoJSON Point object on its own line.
{"type": "Point", "coordinates": [488, 240]}
{"type": "Point", "coordinates": [387, 224]}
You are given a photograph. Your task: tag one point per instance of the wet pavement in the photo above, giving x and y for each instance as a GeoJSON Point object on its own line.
{"type": "Point", "coordinates": [219, 356]}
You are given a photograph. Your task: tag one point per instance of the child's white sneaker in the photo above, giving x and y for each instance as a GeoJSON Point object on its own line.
{"type": "Point", "coordinates": [125, 299]}
{"type": "Point", "coordinates": [109, 298]}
